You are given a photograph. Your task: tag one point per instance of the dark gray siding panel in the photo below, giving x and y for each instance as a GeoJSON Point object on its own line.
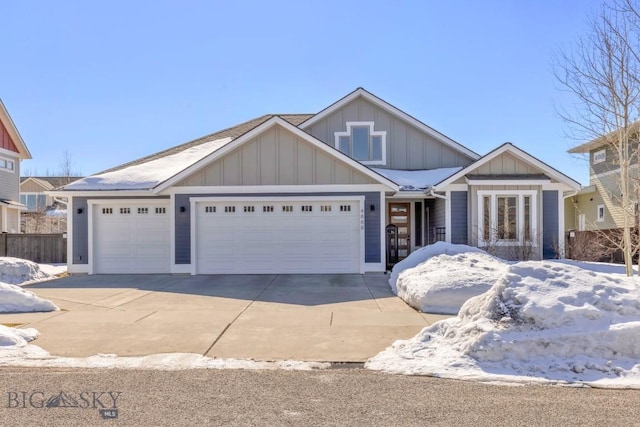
{"type": "Point", "coordinates": [549, 223]}
{"type": "Point", "coordinates": [417, 223]}
{"type": "Point", "coordinates": [459, 220]}
{"type": "Point", "coordinates": [81, 224]}
{"type": "Point", "coordinates": [371, 221]}
{"type": "Point", "coordinates": [80, 230]}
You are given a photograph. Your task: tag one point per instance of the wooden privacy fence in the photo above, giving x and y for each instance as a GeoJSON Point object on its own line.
{"type": "Point", "coordinates": [43, 248]}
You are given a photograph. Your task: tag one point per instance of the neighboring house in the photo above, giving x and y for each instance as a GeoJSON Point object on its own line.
{"type": "Point", "coordinates": [45, 213]}
{"type": "Point", "coordinates": [311, 193]}
{"type": "Point", "coordinates": [12, 151]}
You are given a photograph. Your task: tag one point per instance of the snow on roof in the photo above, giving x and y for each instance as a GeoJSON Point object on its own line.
{"type": "Point", "coordinates": [417, 179]}
{"type": "Point", "coordinates": [145, 176]}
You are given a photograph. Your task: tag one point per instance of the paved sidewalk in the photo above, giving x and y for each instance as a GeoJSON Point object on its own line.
{"type": "Point", "coordinates": [337, 318]}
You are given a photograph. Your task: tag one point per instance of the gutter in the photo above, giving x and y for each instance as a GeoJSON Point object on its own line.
{"type": "Point", "coordinates": [430, 192]}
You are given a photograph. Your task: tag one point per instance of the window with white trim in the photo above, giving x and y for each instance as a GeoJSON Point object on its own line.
{"type": "Point", "coordinates": [506, 217]}
{"type": "Point", "coordinates": [34, 201]}
{"type": "Point", "coordinates": [361, 142]}
{"type": "Point", "coordinates": [600, 213]}
{"type": "Point", "coordinates": [7, 165]}
{"type": "Point", "coordinates": [143, 211]}
{"type": "Point", "coordinates": [599, 156]}
{"type": "Point", "coordinates": [125, 211]}
{"type": "Point", "coordinates": [161, 210]}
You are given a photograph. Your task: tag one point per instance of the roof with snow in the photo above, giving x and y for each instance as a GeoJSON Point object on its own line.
{"type": "Point", "coordinates": [413, 180]}
{"type": "Point", "coordinates": [150, 171]}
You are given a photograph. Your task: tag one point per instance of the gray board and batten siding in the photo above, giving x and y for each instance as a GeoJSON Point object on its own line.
{"type": "Point", "coordinates": [407, 148]}
{"type": "Point", "coordinates": [550, 222]}
{"type": "Point", "coordinates": [372, 219]}
{"type": "Point", "coordinates": [459, 217]}
{"type": "Point", "coordinates": [80, 218]}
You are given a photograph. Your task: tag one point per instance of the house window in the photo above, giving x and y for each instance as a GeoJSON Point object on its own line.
{"type": "Point", "coordinates": [143, 211]}
{"type": "Point", "coordinates": [162, 210]}
{"type": "Point", "coordinates": [34, 202]}
{"type": "Point", "coordinates": [7, 165]}
{"type": "Point", "coordinates": [345, 208]}
{"type": "Point", "coordinates": [125, 211]}
{"type": "Point", "coordinates": [210, 209]}
{"type": "Point", "coordinates": [107, 211]}
{"type": "Point", "coordinates": [267, 209]}
{"type": "Point", "coordinates": [230, 209]}
{"type": "Point", "coordinates": [599, 156]}
{"type": "Point", "coordinates": [505, 217]}
{"type": "Point", "coordinates": [306, 208]}
{"type": "Point", "coordinates": [249, 208]}
{"type": "Point", "coordinates": [600, 213]}
{"type": "Point", "coordinates": [325, 208]}
{"type": "Point", "coordinates": [362, 143]}
{"type": "Point", "coordinates": [287, 208]}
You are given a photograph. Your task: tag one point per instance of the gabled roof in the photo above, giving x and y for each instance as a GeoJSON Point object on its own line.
{"type": "Point", "coordinates": [50, 182]}
{"type": "Point", "coordinates": [604, 140]}
{"type": "Point", "coordinates": [231, 132]}
{"type": "Point", "coordinates": [276, 120]}
{"type": "Point", "coordinates": [361, 92]}
{"type": "Point", "coordinates": [510, 148]}
{"type": "Point", "coordinates": [6, 120]}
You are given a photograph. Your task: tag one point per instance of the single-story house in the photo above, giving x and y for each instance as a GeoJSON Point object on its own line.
{"type": "Point", "coordinates": [350, 189]}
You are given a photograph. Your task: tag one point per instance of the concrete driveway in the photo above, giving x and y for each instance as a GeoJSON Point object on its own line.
{"type": "Point", "coordinates": [335, 318]}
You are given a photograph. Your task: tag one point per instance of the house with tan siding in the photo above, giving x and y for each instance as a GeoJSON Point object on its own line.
{"type": "Point", "coordinates": [353, 188]}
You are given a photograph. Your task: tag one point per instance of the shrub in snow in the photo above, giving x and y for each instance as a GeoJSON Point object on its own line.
{"type": "Point", "coordinates": [544, 320]}
{"type": "Point", "coordinates": [14, 299]}
{"type": "Point", "coordinates": [16, 271]}
{"type": "Point", "coordinates": [443, 283]}
{"type": "Point", "coordinates": [14, 337]}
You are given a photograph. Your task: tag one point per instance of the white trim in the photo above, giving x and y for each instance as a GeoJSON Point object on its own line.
{"type": "Point", "coordinates": [456, 187]}
{"type": "Point", "coordinates": [383, 231]}
{"type": "Point", "coordinates": [195, 200]}
{"type": "Point", "coordinates": [70, 254]}
{"type": "Point", "coordinates": [360, 92]}
{"type": "Point", "coordinates": [372, 133]}
{"type": "Point", "coordinates": [514, 182]}
{"type": "Point", "coordinates": [595, 160]}
{"type": "Point", "coordinates": [409, 195]}
{"type": "Point", "coordinates": [15, 157]}
{"type": "Point", "coordinates": [508, 147]}
{"type": "Point", "coordinates": [561, 224]}
{"type": "Point", "coordinates": [5, 118]}
{"type": "Point", "coordinates": [274, 121]}
{"type": "Point", "coordinates": [520, 194]}
{"type": "Point", "coordinates": [172, 233]}
{"type": "Point", "coordinates": [90, 266]}
{"type": "Point", "coordinates": [5, 223]}
{"type": "Point", "coordinates": [264, 189]}
{"type": "Point", "coordinates": [600, 218]}
{"type": "Point", "coordinates": [12, 161]}
{"type": "Point", "coordinates": [101, 193]}
{"type": "Point", "coordinates": [447, 216]}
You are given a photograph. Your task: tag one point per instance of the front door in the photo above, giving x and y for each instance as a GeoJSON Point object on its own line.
{"type": "Point", "coordinates": [400, 215]}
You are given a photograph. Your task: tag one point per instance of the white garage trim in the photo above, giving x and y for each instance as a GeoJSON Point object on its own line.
{"type": "Point", "coordinates": [194, 201]}
{"type": "Point", "coordinates": [133, 203]}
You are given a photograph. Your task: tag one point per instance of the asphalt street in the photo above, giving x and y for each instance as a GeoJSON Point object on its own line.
{"type": "Point", "coordinates": [68, 397]}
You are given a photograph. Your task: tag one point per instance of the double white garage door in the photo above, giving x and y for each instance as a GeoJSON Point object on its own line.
{"type": "Point", "coordinates": [234, 236]}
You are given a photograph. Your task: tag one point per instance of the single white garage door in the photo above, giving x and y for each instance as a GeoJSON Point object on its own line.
{"type": "Point", "coordinates": [283, 236]}
{"type": "Point", "coordinates": [131, 237]}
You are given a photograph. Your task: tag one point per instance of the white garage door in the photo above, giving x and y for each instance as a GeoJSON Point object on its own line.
{"type": "Point", "coordinates": [131, 237]}
{"type": "Point", "coordinates": [284, 236]}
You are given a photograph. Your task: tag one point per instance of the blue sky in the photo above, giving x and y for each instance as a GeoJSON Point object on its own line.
{"type": "Point", "coordinates": [113, 81]}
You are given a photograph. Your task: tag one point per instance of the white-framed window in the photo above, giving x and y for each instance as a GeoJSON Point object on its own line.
{"type": "Point", "coordinates": [599, 156]}
{"type": "Point", "coordinates": [7, 165]}
{"type": "Point", "coordinates": [143, 211]}
{"type": "Point", "coordinates": [507, 217]}
{"type": "Point", "coordinates": [161, 210]}
{"type": "Point", "coordinates": [34, 201]}
{"type": "Point", "coordinates": [600, 213]}
{"type": "Point", "coordinates": [107, 211]}
{"type": "Point", "coordinates": [362, 143]}
{"type": "Point", "coordinates": [125, 211]}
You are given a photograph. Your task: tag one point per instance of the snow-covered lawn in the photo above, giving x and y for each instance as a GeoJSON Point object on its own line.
{"type": "Point", "coordinates": [540, 322]}
{"type": "Point", "coordinates": [14, 272]}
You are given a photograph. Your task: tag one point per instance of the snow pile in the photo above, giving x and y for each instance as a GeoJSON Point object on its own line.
{"type": "Point", "coordinates": [20, 271]}
{"type": "Point", "coordinates": [417, 179]}
{"type": "Point", "coordinates": [13, 337]}
{"type": "Point", "coordinates": [150, 174]}
{"type": "Point", "coordinates": [443, 283]}
{"type": "Point", "coordinates": [34, 356]}
{"type": "Point", "coordinates": [14, 299]}
{"type": "Point", "coordinates": [540, 322]}
{"type": "Point", "coordinates": [423, 254]}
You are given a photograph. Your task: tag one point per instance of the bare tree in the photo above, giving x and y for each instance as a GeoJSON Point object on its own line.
{"type": "Point", "coordinates": [67, 168]}
{"type": "Point", "coordinates": [601, 72]}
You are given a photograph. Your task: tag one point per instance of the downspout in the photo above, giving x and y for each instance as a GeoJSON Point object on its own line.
{"type": "Point", "coordinates": [430, 192]}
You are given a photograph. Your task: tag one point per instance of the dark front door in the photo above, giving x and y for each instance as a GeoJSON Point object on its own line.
{"type": "Point", "coordinates": [399, 214]}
